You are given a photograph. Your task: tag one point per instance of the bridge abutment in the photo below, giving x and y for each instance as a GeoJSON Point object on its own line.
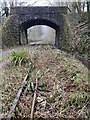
{"type": "Point", "coordinates": [22, 18]}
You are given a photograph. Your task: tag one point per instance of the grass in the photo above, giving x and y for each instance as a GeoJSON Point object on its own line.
{"type": "Point", "coordinates": [19, 57]}
{"type": "Point", "coordinates": [4, 58]}
{"type": "Point", "coordinates": [13, 77]}
{"type": "Point", "coordinates": [0, 59]}
{"type": "Point", "coordinates": [78, 98]}
{"type": "Point", "coordinates": [65, 87]}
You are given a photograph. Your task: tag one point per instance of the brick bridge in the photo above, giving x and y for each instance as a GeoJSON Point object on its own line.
{"type": "Point", "coordinates": [21, 18]}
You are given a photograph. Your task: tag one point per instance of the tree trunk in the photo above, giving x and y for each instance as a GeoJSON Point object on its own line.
{"type": "Point", "coordinates": [88, 10]}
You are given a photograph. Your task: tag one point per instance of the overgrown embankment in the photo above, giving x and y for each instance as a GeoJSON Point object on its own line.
{"type": "Point", "coordinates": [63, 91]}
{"type": "Point", "coordinates": [76, 38]}
{"type": "Point", "coordinates": [10, 38]}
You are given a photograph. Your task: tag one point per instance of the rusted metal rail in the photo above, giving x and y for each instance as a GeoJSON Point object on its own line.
{"type": "Point", "coordinates": [13, 107]}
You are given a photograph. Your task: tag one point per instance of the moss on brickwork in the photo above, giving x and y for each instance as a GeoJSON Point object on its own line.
{"type": "Point", "coordinates": [67, 36]}
{"type": "Point", "coordinates": [10, 32]}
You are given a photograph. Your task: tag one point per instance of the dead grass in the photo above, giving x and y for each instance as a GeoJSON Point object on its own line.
{"type": "Point", "coordinates": [66, 76]}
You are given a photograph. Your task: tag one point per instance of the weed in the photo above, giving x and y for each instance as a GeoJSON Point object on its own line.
{"type": "Point", "coordinates": [50, 99]}
{"type": "Point", "coordinates": [66, 105]}
{"type": "Point", "coordinates": [78, 98]}
{"type": "Point", "coordinates": [19, 57]}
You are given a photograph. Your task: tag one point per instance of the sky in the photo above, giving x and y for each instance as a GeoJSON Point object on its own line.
{"type": "Point", "coordinates": [38, 3]}
{"type": "Point", "coordinates": [42, 2]}
{"type": "Point", "coordinates": [30, 2]}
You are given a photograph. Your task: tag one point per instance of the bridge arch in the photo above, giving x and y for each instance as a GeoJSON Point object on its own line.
{"type": "Point", "coordinates": [33, 22]}
{"type": "Point", "coordinates": [29, 23]}
{"type": "Point", "coordinates": [22, 18]}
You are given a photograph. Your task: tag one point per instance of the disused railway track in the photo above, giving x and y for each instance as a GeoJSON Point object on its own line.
{"type": "Point", "coordinates": [24, 89]}
{"type": "Point", "coordinates": [13, 107]}
{"type": "Point", "coordinates": [54, 99]}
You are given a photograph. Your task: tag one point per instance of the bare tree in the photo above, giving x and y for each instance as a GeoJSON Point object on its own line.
{"type": "Point", "coordinates": [88, 10]}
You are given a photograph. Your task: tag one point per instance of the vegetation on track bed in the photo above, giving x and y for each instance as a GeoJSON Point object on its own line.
{"type": "Point", "coordinates": [63, 91]}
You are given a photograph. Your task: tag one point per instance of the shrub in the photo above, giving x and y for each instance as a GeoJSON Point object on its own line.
{"type": "Point", "coordinates": [19, 57]}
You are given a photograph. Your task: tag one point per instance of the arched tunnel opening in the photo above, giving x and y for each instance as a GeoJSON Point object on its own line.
{"type": "Point", "coordinates": [41, 34]}
{"type": "Point", "coordinates": [39, 31]}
